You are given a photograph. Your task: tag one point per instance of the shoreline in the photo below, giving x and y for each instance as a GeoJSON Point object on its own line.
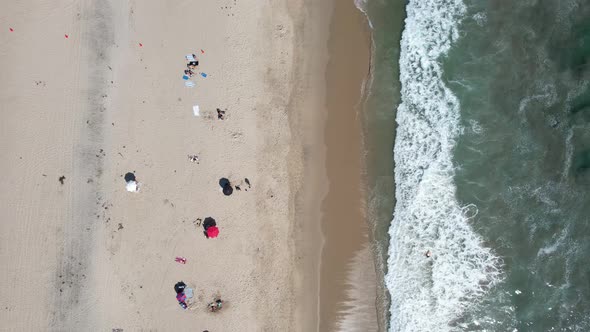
{"type": "Point", "coordinates": [347, 268]}
{"type": "Point", "coordinates": [379, 127]}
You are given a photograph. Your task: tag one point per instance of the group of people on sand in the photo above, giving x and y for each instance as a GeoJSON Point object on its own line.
{"type": "Point", "coordinates": [184, 293]}
{"type": "Point", "coordinates": [191, 65]}
{"type": "Point", "coordinates": [181, 296]}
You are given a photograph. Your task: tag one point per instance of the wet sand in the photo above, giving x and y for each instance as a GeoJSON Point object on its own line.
{"type": "Point", "coordinates": [347, 272]}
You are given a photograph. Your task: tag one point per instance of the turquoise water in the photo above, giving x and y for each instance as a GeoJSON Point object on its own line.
{"type": "Point", "coordinates": [492, 164]}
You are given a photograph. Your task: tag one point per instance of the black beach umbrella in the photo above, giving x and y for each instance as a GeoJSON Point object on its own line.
{"type": "Point", "coordinates": [179, 287]}
{"type": "Point", "coordinates": [208, 222]}
{"type": "Point", "coordinates": [129, 177]}
{"type": "Point", "coordinates": [227, 189]}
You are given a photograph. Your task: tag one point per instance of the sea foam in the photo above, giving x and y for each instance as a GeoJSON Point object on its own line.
{"type": "Point", "coordinates": [362, 6]}
{"type": "Point", "coordinates": [431, 294]}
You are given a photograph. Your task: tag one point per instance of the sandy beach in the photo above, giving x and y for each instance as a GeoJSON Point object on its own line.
{"type": "Point", "coordinates": [93, 90]}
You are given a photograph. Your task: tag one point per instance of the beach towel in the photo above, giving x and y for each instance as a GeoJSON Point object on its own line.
{"type": "Point", "coordinates": [132, 186]}
{"type": "Point", "coordinates": [203, 74]}
{"type": "Point", "coordinates": [190, 57]}
{"type": "Point", "coordinates": [196, 110]}
{"type": "Point", "coordinates": [188, 292]}
{"type": "Point", "coordinates": [189, 84]}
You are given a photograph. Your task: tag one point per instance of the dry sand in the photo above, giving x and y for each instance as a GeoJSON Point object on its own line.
{"type": "Point", "coordinates": [86, 255]}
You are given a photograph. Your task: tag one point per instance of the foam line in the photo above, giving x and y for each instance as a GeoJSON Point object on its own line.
{"type": "Point", "coordinates": [429, 293]}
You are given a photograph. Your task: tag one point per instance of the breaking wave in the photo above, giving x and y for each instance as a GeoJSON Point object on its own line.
{"type": "Point", "coordinates": [431, 294]}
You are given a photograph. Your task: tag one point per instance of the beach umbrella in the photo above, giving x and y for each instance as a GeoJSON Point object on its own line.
{"type": "Point", "coordinates": [228, 190]}
{"type": "Point", "coordinates": [208, 222]}
{"type": "Point", "coordinates": [179, 287]}
{"type": "Point", "coordinates": [132, 185]}
{"type": "Point", "coordinates": [130, 177]}
{"type": "Point", "coordinates": [226, 185]}
{"type": "Point", "coordinates": [212, 232]}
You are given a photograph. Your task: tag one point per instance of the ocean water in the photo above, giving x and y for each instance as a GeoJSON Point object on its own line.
{"type": "Point", "coordinates": [491, 163]}
{"type": "Point", "coordinates": [382, 95]}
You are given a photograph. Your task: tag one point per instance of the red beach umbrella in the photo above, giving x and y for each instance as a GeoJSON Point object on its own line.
{"type": "Point", "coordinates": [212, 232]}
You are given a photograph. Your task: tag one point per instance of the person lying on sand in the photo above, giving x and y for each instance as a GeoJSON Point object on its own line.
{"type": "Point", "coordinates": [215, 306]}
{"type": "Point", "coordinates": [192, 65]}
{"type": "Point", "coordinates": [220, 114]}
{"type": "Point", "coordinates": [189, 73]}
{"type": "Point", "coordinates": [179, 288]}
{"type": "Point", "coordinates": [193, 158]}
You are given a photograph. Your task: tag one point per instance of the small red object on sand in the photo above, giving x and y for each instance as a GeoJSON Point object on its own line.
{"type": "Point", "coordinates": [202, 52]}
{"type": "Point", "coordinates": [140, 45]}
{"type": "Point", "coordinates": [67, 36]}
{"type": "Point", "coordinates": [11, 29]}
{"type": "Point", "coordinates": [180, 260]}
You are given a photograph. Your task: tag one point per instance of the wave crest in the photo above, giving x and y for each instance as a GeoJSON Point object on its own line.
{"type": "Point", "coordinates": [431, 294]}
